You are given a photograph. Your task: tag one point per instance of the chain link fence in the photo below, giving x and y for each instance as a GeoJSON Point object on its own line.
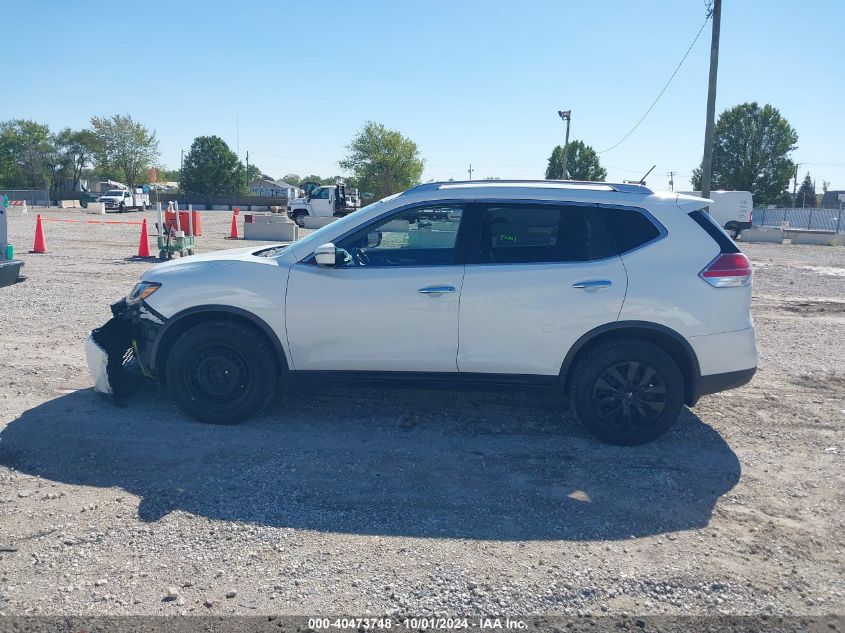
{"type": "Point", "coordinates": [33, 197]}
{"type": "Point", "coordinates": [810, 219]}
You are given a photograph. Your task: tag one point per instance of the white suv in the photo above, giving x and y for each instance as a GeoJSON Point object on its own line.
{"type": "Point", "coordinates": [630, 302]}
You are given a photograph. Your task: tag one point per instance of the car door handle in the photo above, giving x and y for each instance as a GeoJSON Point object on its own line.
{"type": "Point", "coordinates": [436, 290]}
{"type": "Point", "coordinates": [592, 284]}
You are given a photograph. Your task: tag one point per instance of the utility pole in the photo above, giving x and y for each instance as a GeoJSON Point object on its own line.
{"type": "Point", "coordinates": [247, 169]}
{"type": "Point", "coordinates": [181, 163]}
{"type": "Point", "coordinates": [470, 171]}
{"type": "Point", "coordinates": [707, 162]}
{"type": "Point", "coordinates": [565, 115]}
{"type": "Point", "coordinates": [671, 175]}
{"type": "Point", "coordinates": [795, 186]}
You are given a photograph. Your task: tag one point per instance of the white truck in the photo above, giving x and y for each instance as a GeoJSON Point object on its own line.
{"type": "Point", "coordinates": [731, 209]}
{"type": "Point", "coordinates": [324, 202]}
{"type": "Point", "coordinates": [123, 199]}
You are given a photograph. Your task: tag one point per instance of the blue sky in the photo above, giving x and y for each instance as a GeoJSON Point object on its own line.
{"type": "Point", "coordinates": [469, 81]}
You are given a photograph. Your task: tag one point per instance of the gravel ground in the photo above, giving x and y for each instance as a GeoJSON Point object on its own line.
{"type": "Point", "coordinates": [406, 501]}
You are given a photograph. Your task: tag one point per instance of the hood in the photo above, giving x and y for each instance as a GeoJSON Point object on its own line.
{"type": "Point", "coordinates": [209, 260]}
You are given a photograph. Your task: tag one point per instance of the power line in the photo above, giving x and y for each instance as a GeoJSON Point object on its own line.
{"type": "Point", "coordinates": [660, 94]}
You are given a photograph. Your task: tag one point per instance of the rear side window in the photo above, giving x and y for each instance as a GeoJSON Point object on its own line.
{"type": "Point", "coordinates": [523, 233]}
{"type": "Point", "coordinates": [706, 222]}
{"type": "Point", "coordinates": [629, 228]}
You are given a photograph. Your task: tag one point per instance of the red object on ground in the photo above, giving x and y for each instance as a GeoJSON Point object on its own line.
{"type": "Point", "coordinates": [40, 245]}
{"type": "Point", "coordinates": [170, 221]}
{"type": "Point", "coordinates": [233, 235]}
{"type": "Point", "coordinates": [144, 246]}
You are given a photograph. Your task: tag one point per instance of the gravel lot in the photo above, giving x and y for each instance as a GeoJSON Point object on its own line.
{"type": "Point", "coordinates": [405, 501]}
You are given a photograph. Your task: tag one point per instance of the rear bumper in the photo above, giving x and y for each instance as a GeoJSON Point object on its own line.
{"type": "Point", "coordinates": [726, 361]}
{"type": "Point", "coordinates": [722, 382]}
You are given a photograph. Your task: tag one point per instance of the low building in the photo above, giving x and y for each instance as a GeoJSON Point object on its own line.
{"type": "Point", "coordinates": [831, 199]}
{"type": "Point", "coordinates": [273, 189]}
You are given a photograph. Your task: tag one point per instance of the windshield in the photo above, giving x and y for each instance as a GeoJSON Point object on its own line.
{"type": "Point", "coordinates": [114, 192]}
{"type": "Point", "coordinates": [348, 221]}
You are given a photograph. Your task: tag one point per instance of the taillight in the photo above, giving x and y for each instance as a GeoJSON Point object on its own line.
{"type": "Point", "coordinates": [728, 270]}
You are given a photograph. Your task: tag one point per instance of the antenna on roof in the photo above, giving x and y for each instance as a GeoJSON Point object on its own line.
{"type": "Point", "coordinates": [641, 181]}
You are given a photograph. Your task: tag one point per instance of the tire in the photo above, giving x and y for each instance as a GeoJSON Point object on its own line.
{"type": "Point", "coordinates": [121, 208]}
{"type": "Point", "coordinates": [635, 410]}
{"type": "Point", "coordinates": [221, 372]}
{"type": "Point", "coordinates": [732, 230]}
{"type": "Point", "coordinates": [299, 219]}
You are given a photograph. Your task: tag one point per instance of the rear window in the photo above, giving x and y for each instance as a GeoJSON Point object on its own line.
{"type": "Point", "coordinates": [629, 228]}
{"type": "Point", "coordinates": [534, 233]}
{"type": "Point", "coordinates": [706, 222]}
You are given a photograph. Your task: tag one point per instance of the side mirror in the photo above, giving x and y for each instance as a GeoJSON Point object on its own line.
{"type": "Point", "coordinates": [326, 255]}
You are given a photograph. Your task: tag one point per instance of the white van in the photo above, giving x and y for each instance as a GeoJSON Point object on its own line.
{"type": "Point", "coordinates": [731, 209]}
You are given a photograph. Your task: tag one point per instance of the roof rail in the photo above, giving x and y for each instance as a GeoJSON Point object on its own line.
{"type": "Point", "coordinates": [565, 184]}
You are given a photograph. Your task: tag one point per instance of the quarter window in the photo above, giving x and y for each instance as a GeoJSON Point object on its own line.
{"type": "Point", "coordinates": [422, 236]}
{"type": "Point", "coordinates": [535, 233]}
{"type": "Point", "coordinates": [629, 228]}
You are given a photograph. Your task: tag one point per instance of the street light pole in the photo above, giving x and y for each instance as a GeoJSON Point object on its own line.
{"type": "Point", "coordinates": [566, 115]}
{"type": "Point", "coordinates": [707, 162]}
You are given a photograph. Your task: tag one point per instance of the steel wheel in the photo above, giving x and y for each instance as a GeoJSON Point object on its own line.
{"type": "Point", "coordinates": [218, 376]}
{"type": "Point", "coordinates": [629, 395]}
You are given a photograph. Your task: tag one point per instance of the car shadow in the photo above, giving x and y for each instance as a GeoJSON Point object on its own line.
{"type": "Point", "coordinates": [505, 466]}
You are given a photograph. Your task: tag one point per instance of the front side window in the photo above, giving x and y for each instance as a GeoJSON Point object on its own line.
{"type": "Point", "coordinates": [526, 233]}
{"type": "Point", "coordinates": [422, 236]}
{"type": "Point", "coordinates": [320, 194]}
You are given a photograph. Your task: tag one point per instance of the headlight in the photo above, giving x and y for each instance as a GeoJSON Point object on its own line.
{"type": "Point", "coordinates": [141, 291]}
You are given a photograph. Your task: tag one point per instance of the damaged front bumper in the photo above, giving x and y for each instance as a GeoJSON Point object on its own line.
{"type": "Point", "coordinates": [118, 352]}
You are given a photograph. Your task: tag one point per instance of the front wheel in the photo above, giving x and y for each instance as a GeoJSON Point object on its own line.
{"type": "Point", "coordinates": [627, 392]}
{"type": "Point", "coordinates": [299, 218]}
{"type": "Point", "coordinates": [221, 372]}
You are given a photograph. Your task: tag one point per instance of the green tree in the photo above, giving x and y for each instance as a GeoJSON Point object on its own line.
{"type": "Point", "coordinates": [315, 178]}
{"type": "Point", "coordinates": [28, 153]}
{"type": "Point", "coordinates": [76, 150]}
{"type": "Point", "coordinates": [163, 174]}
{"type": "Point", "coordinates": [806, 194]}
{"type": "Point", "coordinates": [383, 161]}
{"type": "Point", "coordinates": [582, 163]}
{"type": "Point", "coordinates": [254, 172]}
{"type": "Point", "coordinates": [292, 179]}
{"type": "Point", "coordinates": [125, 147]}
{"type": "Point", "coordinates": [751, 150]}
{"type": "Point", "coordinates": [211, 168]}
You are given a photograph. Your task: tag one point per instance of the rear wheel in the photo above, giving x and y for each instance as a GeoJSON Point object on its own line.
{"type": "Point", "coordinates": [221, 372]}
{"type": "Point", "coordinates": [627, 392]}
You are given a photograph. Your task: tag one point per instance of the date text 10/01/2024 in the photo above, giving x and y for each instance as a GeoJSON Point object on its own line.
{"type": "Point", "coordinates": [424, 623]}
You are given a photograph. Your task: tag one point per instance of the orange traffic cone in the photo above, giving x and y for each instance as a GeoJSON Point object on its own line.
{"type": "Point", "coordinates": [40, 245]}
{"type": "Point", "coordinates": [233, 234]}
{"type": "Point", "coordinates": [144, 246]}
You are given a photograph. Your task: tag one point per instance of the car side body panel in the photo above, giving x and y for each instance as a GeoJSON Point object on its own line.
{"type": "Point", "coordinates": [523, 318]}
